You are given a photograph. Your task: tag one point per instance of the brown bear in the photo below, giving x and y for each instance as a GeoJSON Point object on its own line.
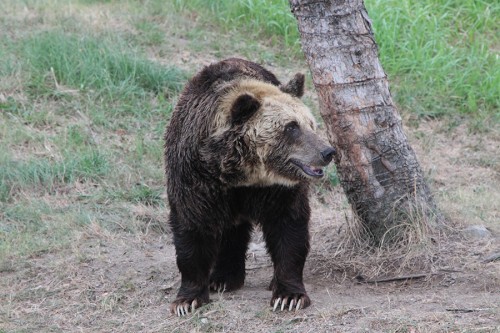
{"type": "Point", "coordinates": [240, 150]}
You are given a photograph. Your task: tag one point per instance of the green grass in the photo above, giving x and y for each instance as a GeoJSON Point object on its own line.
{"type": "Point", "coordinates": [86, 63]}
{"type": "Point", "coordinates": [29, 227]}
{"type": "Point", "coordinates": [137, 194]}
{"type": "Point", "coordinates": [82, 114]}
{"type": "Point", "coordinates": [439, 54]}
{"type": "Point", "coordinates": [271, 18]}
{"type": "Point", "coordinates": [46, 175]}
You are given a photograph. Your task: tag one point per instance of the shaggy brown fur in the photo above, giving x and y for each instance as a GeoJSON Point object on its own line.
{"type": "Point", "coordinates": [240, 149]}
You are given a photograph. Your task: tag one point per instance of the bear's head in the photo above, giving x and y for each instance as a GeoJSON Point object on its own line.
{"type": "Point", "coordinates": [267, 136]}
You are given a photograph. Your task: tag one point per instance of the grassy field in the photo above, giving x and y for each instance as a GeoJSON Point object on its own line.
{"type": "Point", "coordinates": [440, 54]}
{"type": "Point", "coordinates": [87, 87]}
{"type": "Point", "coordinates": [72, 105]}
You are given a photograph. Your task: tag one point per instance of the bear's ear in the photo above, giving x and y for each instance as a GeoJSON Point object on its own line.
{"type": "Point", "coordinates": [243, 108]}
{"type": "Point", "coordinates": [295, 87]}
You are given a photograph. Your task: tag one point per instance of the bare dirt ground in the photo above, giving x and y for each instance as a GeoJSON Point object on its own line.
{"type": "Point", "coordinates": [123, 282]}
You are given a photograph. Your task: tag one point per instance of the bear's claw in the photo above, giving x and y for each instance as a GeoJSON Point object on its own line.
{"type": "Point", "coordinates": [182, 308]}
{"type": "Point", "coordinates": [293, 303]}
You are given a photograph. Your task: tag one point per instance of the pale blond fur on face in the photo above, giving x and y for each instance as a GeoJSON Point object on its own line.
{"type": "Point", "coordinates": [262, 130]}
{"type": "Point", "coordinates": [271, 98]}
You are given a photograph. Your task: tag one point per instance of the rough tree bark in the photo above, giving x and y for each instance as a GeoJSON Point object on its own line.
{"type": "Point", "coordinates": [378, 169]}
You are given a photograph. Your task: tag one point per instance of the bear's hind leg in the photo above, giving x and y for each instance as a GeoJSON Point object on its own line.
{"type": "Point", "coordinates": [229, 270]}
{"type": "Point", "coordinates": [196, 252]}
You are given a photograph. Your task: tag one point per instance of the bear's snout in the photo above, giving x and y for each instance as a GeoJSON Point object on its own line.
{"type": "Point", "coordinates": [327, 154]}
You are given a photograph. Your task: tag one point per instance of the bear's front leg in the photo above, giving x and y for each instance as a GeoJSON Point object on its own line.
{"type": "Point", "coordinates": [287, 240]}
{"type": "Point", "coordinates": [196, 252]}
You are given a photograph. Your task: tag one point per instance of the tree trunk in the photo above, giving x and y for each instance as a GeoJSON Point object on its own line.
{"type": "Point", "coordinates": [378, 169]}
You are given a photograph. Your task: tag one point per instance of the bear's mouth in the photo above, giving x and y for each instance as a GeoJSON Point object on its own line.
{"type": "Point", "coordinates": [312, 171]}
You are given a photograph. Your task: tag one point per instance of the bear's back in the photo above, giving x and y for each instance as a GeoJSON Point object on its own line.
{"type": "Point", "coordinates": [221, 73]}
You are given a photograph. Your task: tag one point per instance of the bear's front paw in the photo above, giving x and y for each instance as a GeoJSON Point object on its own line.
{"type": "Point", "coordinates": [182, 306]}
{"type": "Point", "coordinates": [290, 302]}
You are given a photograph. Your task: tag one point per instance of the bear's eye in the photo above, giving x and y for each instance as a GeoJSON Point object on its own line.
{"type": "Point", "coordinates": [292, 128]}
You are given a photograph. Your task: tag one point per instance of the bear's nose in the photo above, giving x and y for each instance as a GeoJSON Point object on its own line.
{"type": "Point", "coordinates": [327, 154]}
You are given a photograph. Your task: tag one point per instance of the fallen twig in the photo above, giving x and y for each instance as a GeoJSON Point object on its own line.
{"type": "Point", "coordinates": [465, 310]}
{"type": "Point", "coordinates": [396, 278]}
{"type": "Point", "coordinates": [361, 279]}
{"type": "Point", "coordinates": [492, 257]}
